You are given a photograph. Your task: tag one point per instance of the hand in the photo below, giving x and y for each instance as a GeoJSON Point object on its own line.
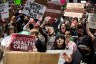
{"type": "Point", "coordinates": [40, 18]}
{"type": "Point", "coordinates": [86, 22]}
{"type": "Point", "coordinates": [66, 57]}
{"type": "Point", "coordinates": [32, 21]}
{"type": "Point", "coordinates": [47, 18]}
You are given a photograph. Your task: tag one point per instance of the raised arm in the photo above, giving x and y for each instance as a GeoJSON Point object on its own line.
{"type": "Point", "coordinates": [88, 32]}
{"type": "Point", "coordinates": [26, 27]}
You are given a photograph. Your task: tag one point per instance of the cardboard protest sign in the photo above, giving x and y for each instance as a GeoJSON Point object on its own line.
{"type": "Point", "coordinates": [14, 57]}
{"type": "Point", "coordinates": [53, 8]}
{"type": "Point", "coordinates": [43, 2]}
{"type": "Point", "coordinates": [72, 14]}
{"type": "Point", "coordinates": [4, 10]}
{"type": "Point", "coordinates": [74, 10]}
{"type": "Point", "coordinates": [21, 42]}
{"type": "Point", "coordinates": [92, 21]}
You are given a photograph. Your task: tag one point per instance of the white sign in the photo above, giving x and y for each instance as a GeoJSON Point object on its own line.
{"type": "Point", "coordinates": [73, 14]}
{"type": "Point", "coordinates": [61, 60]}
{"type": "Point", "coordinates": [83, 2]}
{"type": "Point", "coordinates": [4, 10]}
{"type": "Point", "coordinates": [74, 10]}
{"type": "Point", "coordinates": [27, 7]}
{"type": "Point", "coordinates": [92, 21]}
{"type": "Point", "coordinates": [37, 10]}
{"type": "Point", "coordinates": [1, 7]}
{"type": "Point", "coordinates": [34, 10]}
{"type": "Point", "coordinates": [6, 41]}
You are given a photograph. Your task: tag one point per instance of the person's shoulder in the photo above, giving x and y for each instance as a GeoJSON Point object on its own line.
{"type": "Point", "coordinates": [72, 43]}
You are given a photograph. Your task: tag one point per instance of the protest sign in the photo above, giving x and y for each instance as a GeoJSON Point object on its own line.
{"type": "Point", "coordinates": [17, 2]}
{"type": "Point", "coordinates": [74, 10]}
{"type": "Point", "coordinates": [43, 2]}
{"type": "Point", "coordinates": [61, 60]}
{"type": "Point", "coordinates": [14, 57]}
{"type": "Point", "coordinates": [83, 1]}
{"type": "Point", "coordinates": [21, 42]}
{"type": "Point", "coordinates": [1, 7]}
{"type": "Point", "coordinates": [92, 21]}
{"type": "Point", "coordinates": [53, 8]}
{"type": "Point", "coordinates": [4, 10]}
{"type": "Point", "coordinates": [6, 41]}
{"type": "Point", "coordinates": [75, 5]}
{"type": "Point", "coordinates": [34, 10]}
{"type": "Point", "coordinates": [37, 10]}
{"type": "Point", "coordinates": [72, 14]}
{"type": "Point", "coordinates": [27, 7]}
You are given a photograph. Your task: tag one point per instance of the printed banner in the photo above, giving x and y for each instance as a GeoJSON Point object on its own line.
{"type": "Point", "coordinates": [92, 21]}
{"type": "Point", "coordinates": [21, 42]}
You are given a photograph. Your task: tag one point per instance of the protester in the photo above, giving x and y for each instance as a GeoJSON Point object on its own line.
{"type": "Point", "coordinates": [60, 33]}
{"type": "Point", "coordinates": [62, 29]}
{"type": "Point", "coordinates": [93, 36]}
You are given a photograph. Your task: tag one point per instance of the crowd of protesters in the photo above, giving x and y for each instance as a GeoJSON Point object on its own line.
{"type": "Point", "coordinates": [55, 34]}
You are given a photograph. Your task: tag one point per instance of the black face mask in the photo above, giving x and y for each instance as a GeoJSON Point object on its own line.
{"type": "Point", "coordinates": [80, 35]}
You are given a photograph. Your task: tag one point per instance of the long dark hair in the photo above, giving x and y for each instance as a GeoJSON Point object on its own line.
{"type": "Point", "coordinates": [60, 28]}
{"type": "Point", "coordinates": [55, 43]}
{"type": "Point", "coordinates": [11, 27]}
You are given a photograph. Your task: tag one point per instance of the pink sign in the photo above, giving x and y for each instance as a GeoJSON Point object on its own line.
{"type": "Point", "coordinates": [21, 42]}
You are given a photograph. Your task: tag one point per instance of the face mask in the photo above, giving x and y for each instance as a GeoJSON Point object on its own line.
{"type": "Point", "coordinates": [80, 35]}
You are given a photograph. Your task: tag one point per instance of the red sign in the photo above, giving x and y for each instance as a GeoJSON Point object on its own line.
{"type": "Point", "coordinates": [21, 42]}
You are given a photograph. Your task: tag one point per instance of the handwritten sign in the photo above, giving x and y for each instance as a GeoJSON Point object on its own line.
{"type": "Point", "coordinates": [21, 42]}
{"type": "Point", "coordinates": [92, 21]}
{"type": "Point", "coordinates": [1, 7]}
{"type": "Point", "coordinates": [53, 9]}
{"type": "Point", "coordinates": [37, 10]}
{"type": "Point", "coordinates": [27, 8]}
{"type": "Point", "coordinates": [74, 10]}
{"type": "Point", "coordinates": [34, 10]}
{"type": "Point", "coordinates": [5, 10]}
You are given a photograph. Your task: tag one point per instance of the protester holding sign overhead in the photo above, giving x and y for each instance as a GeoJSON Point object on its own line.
{"type": "Point", "coordinates": [39, 45]}
{"type": "Point", "coordinates": [93, 36]}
